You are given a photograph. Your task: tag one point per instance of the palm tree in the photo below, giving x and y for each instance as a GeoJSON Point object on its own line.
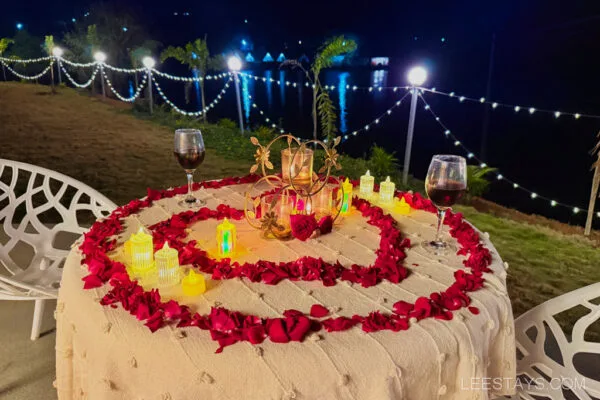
{"type": "Point", "coordinates": [197, 57]}
{"type": "Point", "coordinates": [323, 107]}
{"type": "Point", "coordinates": [4, 43]}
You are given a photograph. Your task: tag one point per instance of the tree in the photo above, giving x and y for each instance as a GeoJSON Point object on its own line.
{"type": "Point", "coordinates": [4, 43]}
{"type": "Point", "coordinates": [477, 182]}
{"type": "Point", "coordinates": [323, 107]}
{"type": "Point", "coordinates": [197, 57]}
{"type": "Point", "coordinates": [48, 46]}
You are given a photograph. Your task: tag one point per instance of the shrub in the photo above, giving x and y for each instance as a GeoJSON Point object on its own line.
{"type": "Point", "coordinates": [382, 164]}
{"type": "Point", "coordinates": [227, 123]}
{"type": "Point", "coordinates": [477, 182]}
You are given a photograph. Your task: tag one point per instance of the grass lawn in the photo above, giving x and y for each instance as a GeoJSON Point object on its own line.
{"type": "Point", "coordinates": [105, 146]}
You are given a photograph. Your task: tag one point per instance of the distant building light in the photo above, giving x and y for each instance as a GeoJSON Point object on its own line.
{"type": "Point", "coordinates": [125, 29]}
{"type": "Point", "coordinates": [443, 39]}
{"type": "Point", "coordinates": [175, 13]}
{"type": "Point", "coordinates": [245, 21]}
{"type": "Point", "coordinates": [73, 20]}
{"type": "Point", "coordinates": [244, 42]}
{"type": "Point", "coordinates": [300, 42]}
{"type": "Point", "coordinates": [19, 26]}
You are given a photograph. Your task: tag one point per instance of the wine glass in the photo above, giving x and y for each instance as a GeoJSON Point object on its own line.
{"type": "Point", "coordinates": [445, 184]}
{"type": "Point", "coordinates": [189, 151]}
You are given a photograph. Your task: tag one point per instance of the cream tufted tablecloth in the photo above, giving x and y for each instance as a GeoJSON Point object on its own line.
{"type": "Point", "coordinates": [105, 353]}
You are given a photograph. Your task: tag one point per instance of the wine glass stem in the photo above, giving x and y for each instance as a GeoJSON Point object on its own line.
{"type": "Point", "coordinates": [190, 180]}
{"type": "Point", "coordinates": [440, 225]}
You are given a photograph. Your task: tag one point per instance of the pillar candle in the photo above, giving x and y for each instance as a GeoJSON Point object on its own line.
{"type": "Point", "coordinates": [193, 284]}
{"type": "Point", "coordinates": [366, 184]}
{"type": "Point", "coordinates": [167, 264]}
{"type": "Point", "coordinates": [347, 199]}
{"type": "Point", "coordinates": [386, 191]}
{"type": "Point", "coordinates": [226, 239]}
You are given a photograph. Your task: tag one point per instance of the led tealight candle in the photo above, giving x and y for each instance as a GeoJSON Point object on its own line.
{"type": "Point", "coordinates": [167, 264]}
{"type": "Point", "coordinates": [347, 200]}
{"type": "Point", "coordinates": [386, 191]}
{"type": "Point", "coordinates": [403, 207]}
{"type": "Point", "coordinates": [193, 284]}
{"type": "Point", "coordinates": [226, 233]}
{"type": "Point", "coordinates": [366, 185]}
{"type": "Point", "coordinates": [141, 252]}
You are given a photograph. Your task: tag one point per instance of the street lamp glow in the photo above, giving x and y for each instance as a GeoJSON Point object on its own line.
{"type": "Point", "coordinates": [417, 76]}
{"type": "Point", "coordinates": [234, 63]}
{"type": "Point", "coordinates": [100, 56]}
{"type": "Point", "coordinates": [57, 51]}
{"type": "Point", "coordinates": [148, 62]}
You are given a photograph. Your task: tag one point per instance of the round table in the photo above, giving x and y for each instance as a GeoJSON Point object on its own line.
{"type": "Point", "coordinates": [103, 352]}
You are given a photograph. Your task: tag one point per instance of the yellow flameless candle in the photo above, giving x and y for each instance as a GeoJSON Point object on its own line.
{"type": "Point", "coordinates": [193, 284]}
{"type": "Point", "coordinates": [142, 252]}
{"type": "Point", "coordinates": [167, 264]}
{"type": "Point", "coordinates": [347, 200]}
{"type": "Point", "coordinates": [366, 184]}
{"type": "Point", "coordinates": [403, 207]}
{"type": "Point", "coordinates": [386, 191]}
{"type": "Point", "coordinates": [226, 239]}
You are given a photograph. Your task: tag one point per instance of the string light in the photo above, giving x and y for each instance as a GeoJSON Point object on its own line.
{"type": "Point", "coordinates": [27, 77]}
{"type": "Point", "coordinates": [126, 99]}
{"type": "Point", "coordinates": [29, 61]}
{"type": "Point", "coordinates": [516, 108]}
{"type": "Point", "coordinates": [80, 65]}
{"type": "Point", "coordinates": [125, 70]}
{"type": "Point", "coordinates": [190, 79]}
{"type": "Point", "coordinates": [80, 85]}
{"type": "Point", "coordinates": [499, 176]}
{"type": "Point", "coordinates": [191, 113]}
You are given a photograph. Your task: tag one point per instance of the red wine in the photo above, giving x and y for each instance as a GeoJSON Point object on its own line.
{"type": "Point", "coordinates": [447, 195]}
{"type": "Point", "coordinates": [190, 159]}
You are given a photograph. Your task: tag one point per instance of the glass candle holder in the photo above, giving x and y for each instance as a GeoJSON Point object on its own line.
{"type": "Point", "coordinates": [386, 191]}
{"type": "Point", "coordinates": [167, 265]}
{"type": "Point", "coordinates": [193, 284]}
{"type": "Point", "coordinates": [347, 199]}
{"type": "Point", "coordinates": [226, 238]}
{"type": "Point", "coordinates": [366, 185]}
{"type": "Point", "coordinates": [142, 251]}
{"type": "Point", "coordinates": [323, 202]}
{"type": "Point", "coordinates": [297, 166]}
{"type": "Point", "coordinates": [282, 205]}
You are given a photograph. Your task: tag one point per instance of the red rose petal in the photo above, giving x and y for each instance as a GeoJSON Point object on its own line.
{"type": "Point", "coordinates": [474, 310]}
{"type": "Point", "coordinates": [318, 311]}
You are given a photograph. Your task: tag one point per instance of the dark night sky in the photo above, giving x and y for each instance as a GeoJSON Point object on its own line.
{"type": "Point", "coordinates": [547, 55]}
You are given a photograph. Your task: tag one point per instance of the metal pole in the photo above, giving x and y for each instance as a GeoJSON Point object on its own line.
{"type": "Point", "coordinates": [102, 80]}
{"type": "Point", "coordinates": [58, 68]}
{"type": "Point", "coordinates": [150, 90]}
{"type": "Point", "coordinates": [239, 101]}
{"type": "Point", "coordinates": [411, 129]}
{"type": "Point", "coordinates": [593, 196]}
{"type": "Point", "coordinates": [488, 91]}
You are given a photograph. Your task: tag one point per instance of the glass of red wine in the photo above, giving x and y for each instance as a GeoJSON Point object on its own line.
{"type": "Point", "coordinates": [445, 184]}
{"type": "Point", "coordinates": [189, 151]}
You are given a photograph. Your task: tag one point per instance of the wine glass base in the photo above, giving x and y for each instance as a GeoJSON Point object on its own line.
{"type": "Point", "coordinates": [196, 203]}
{"type": "Point", "coordinates": [439, 247]}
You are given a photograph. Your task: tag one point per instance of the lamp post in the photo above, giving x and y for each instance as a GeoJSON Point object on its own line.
{"type": "Point", "coordinates": [416, 77]}
{"type": "Point", "coordinates": [149, 63]}
{"type": "Point", "coordinates": [57, 52]}
{"type": "Point", "coordinates": [235, 65]}
{"type": "Point", "coordinates": [100, 58]}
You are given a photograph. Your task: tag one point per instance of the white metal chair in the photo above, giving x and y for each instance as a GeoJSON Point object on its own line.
{"type": "Point", "coordinates": [554, 362]}
{"type": "Point", "coordinates": [42, 212]}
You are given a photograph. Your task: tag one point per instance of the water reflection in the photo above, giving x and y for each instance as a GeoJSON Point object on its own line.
{"type": "Point", "coordinates": [282, 86]}
{"type": "Point", "coordinates": [269, 83]}
{"type": "Point", "coordinates": [379, 78]}
{"type": "Point", "coordinates": [247, 85]}
{"type": "Point", "coordinates": [343, 79]}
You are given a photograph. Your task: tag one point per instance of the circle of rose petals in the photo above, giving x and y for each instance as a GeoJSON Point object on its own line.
{"type": "Point", "coordinates": [228, 327]}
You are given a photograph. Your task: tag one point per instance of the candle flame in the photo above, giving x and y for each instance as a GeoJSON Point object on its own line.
{"type": "Point", "coordinates": [347, 181]}
{"type": "Point", "coordinates": [141, 230]}
{"type": "Point", "coordinates": [402, 201]}
{"type": "Point", "coordinates": [166, 246]}
{"type": "Point", "coordinates": [387, 179]}
{"type": "Point", "coordinates": [368, 173]}
{"type": "Point", "coordinates": [192, 277]}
